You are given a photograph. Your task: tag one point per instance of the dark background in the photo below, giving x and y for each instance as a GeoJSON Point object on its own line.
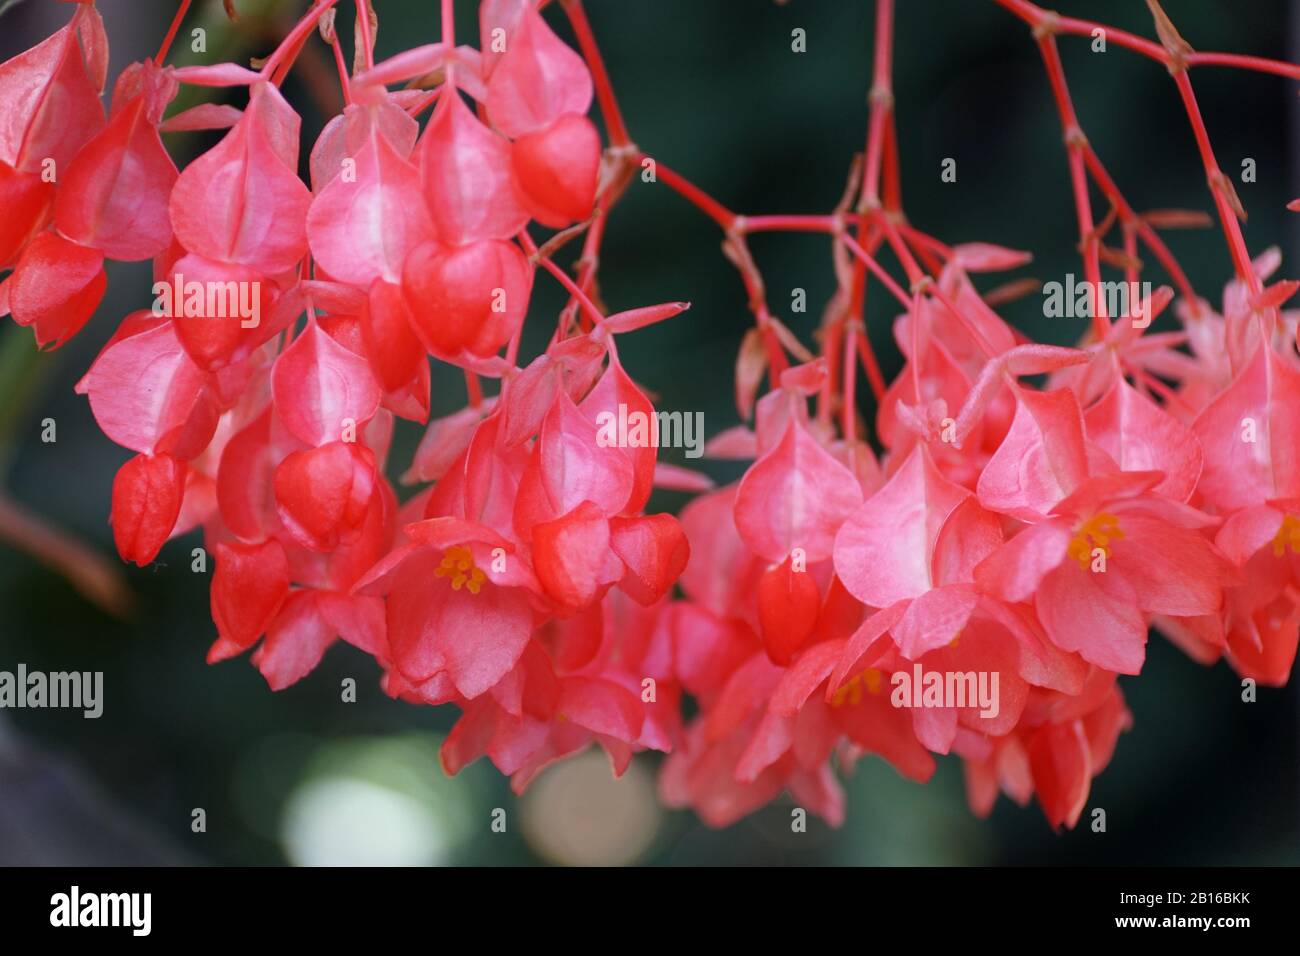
{"type": "Point", "coordinates": [712, 88]}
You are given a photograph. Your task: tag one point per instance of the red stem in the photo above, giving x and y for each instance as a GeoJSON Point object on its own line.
{"type": "Point", "coordinates": [719, 213]}
{"type": "Point", "coordinates": [344, 82]}
{"type": "Point", "coordinates": [564, 280]}
{"type": "Point", "coordinates": [618, 135]}
{"type": "Point", "coordinates": [796, 223]}
{"type": "Point", "coordinates": [1039, 17]}
{"type": "Point", "coordinates": [448, 13]}
{"type": "Point", "coordinates": [882, 102]}
{"type": "Point", "coordinates": [1148, 235]}
{"type": "Point", "coordinates": [1075, 143]}
{"type": "Point", "coordinates": [869, 364]}
{"type": "Point", "coordinates": [171, 32]}
{"type": "Point", "coordinates": [877, 270]}
{"type": "Point", "coordinates": [294, 40]}
{"type": "Point", "coordinates": [363, 21]}
{"type": "Point", "coordinates": [849, 409]}
{"type": "Point", "coordinates": [1227, 216]}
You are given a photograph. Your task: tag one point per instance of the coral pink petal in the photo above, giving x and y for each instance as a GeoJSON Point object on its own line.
{"type": "Point", "coordinates": [1095, 614]}
{"type": "Point", "coordinates": [796, 496]}
{"type": "Point", "coordinates": [884, 549]}
{"type": "Point", "coordinates": [323, 391]}
{"type": "Point", "coordinates": [114, 195]}
{"type": "Point", "coordinates": [148, 396]}
{"type": "Point", "coordinates": [242, 201]}
{"type": "Point", "coordinates": [362, 225]}
{"type": "Point", "coordinates": [1015, 570]}
{"type": "Point", "coordinates": [1251, 436]}
{"type": "Point", "coordinates": [1062, 770]}
{"type": "Point", "coordinates": [467, 177]}
{"type": "Point", "coordinates": [1141, 436]}
{"type": "Point", "coordinates": [537, 79]}
{"type": "Point", "coordinates": [1041, 460]}
{"type": "Point", "coordinates": [295, 642]}
{"type": "Point", "coordinates": [934, 620]}
{"type": "Point", "coordinates": [813, 667]}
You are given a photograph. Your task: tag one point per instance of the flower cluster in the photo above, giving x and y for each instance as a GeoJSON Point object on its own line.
{"type": "Point", "coordinates": [1033, 534]}
{"type": "Point", "coordinates": [294, 324]}
{"type": "Point", "coordinates": [1029, 513]}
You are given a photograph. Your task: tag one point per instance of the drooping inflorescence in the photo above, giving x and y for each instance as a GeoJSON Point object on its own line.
{"type": "Point", "coordinates": [972, 583]}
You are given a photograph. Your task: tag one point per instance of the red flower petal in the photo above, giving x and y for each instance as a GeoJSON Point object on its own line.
{"type": "Point", "coordinates": [466, 172]}
{"type": "Point", "coordinates": [883, 552]}
{"type": "Point", "coordinates": [56, 287]}
{"type": "Point", "coordinates": [242, 200]}
{"type": "Point", "coordinates": [1058, 756]}
{"type": "Point", "coordinates": [244, 493]}
{"type": "Point", "coordinates": [208, 314]}
{"type": "Point", "coordinates": [114, 195]}
{"type": "Point", "coordinates": [796, 496]}
{"type": "Point", "coordinates": [322, 494]}
{"type": "Point", "coordinates": [788, 604]}
{"type": "Point", "coordinates": [323, 391]}
{"type": "Point", "coordinates": [575, 467]}
{"type": "Point", "coordinates": [471, 297]}
{"type": "Point", "coordinates": [249, 584]}
{"type": "Point", "coordinates": [26, 200]}
{"type": "Point", "coordinates": [654, 550]}
{"type": "Point", "coordinates": [147, 495]}
{"type": "Point", "coordinates": [571, 556]}
{"type": "Point", "coordinates": [537, 80]}
{"type": "Point", "coordinates": [615, 396]}
{"type": "Point", "coordinates": [1262, 403]}
{"type": "Point", "coordinates": [1141, 436]}
{"type": "Point", "coordinates": [556, 170]}
{"type": "Point", "coordinates": [394, 351]}
{"type": "Point", "coordinates": [148, 396]}
{"type": "Point", "coordinates": [361, 226]}
{"type": "Point", "coordinates": [51, 95]}
{"type": "Point", "coordinates": [295, 642]}
{"type": "Point", "coordinates": [1041, 460]}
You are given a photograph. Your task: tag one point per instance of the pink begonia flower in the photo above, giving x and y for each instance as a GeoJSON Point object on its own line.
{"type": "Point", "coordinates": [1012, 521]}
{"type": "Point", "coordinates": [1100, 549]}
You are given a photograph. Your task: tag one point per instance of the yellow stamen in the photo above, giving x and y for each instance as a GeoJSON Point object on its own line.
{"type": "Point", "coordinates": [850, 691]}
{"type": "Point", "coordinates": [1097, 532]}
{"type": "Point", "coordinates": [1287, 536]}
{"type": "Point", "coordinates": [874, 679]}
{"type": "Point", "coordinates": [458, 564]}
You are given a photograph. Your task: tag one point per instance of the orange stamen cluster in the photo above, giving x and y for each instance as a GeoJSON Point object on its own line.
{"type": "Point", "coordinates": [850, 691]}
{"type": "Point", "coordinates": [1097, 532]}
{"type": "Point", "coordinates": [458, 564]}
{"type": "Point", "coordinates": [1288, 536]}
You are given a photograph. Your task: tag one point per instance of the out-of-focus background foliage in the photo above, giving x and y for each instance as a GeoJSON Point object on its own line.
{"type": "Point", "coordinates": [713, 89]}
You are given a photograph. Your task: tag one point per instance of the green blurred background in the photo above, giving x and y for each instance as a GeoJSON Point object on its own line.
{"type": "Point", "coordinates": [713, 89]}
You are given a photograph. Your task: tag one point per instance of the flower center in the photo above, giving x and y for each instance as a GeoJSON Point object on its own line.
{"type": "Point", "coordinates": [851, 691]}
{"type": "Point", "coordinates": [458, 564]}
{"type": "Point", "coordinates": [1096, 532]}
{"type": "Point", "coordinates": [1287, 536]}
